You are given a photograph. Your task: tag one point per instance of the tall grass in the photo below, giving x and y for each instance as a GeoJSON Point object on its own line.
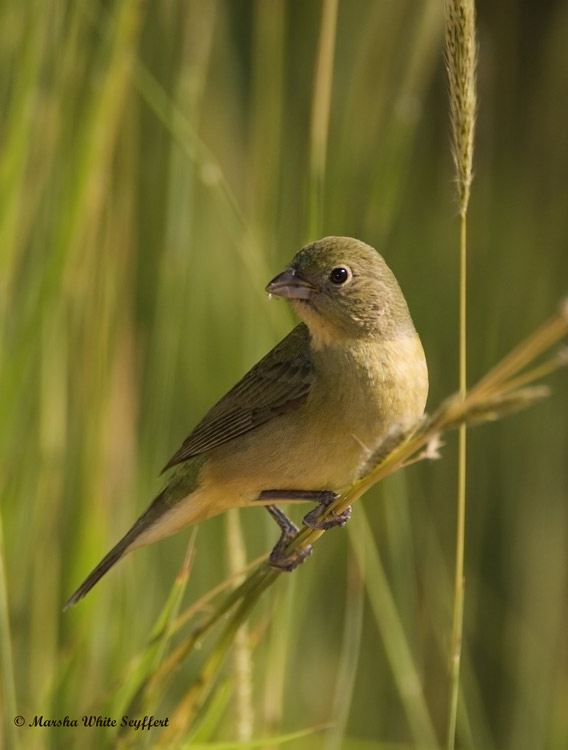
{"type": "Point", "coordinates": [461, 55]}
{"type": "Point", "coordinates": [158, 164]}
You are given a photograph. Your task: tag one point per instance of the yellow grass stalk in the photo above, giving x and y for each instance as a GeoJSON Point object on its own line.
{"type": "Point", "coordinates": [461, 63]}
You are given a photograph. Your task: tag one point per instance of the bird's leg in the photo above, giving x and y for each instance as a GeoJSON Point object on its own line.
{"type": "Point", "coordinates": [278, 559]}
{"type": "Point", "coordinates": [323, 498]}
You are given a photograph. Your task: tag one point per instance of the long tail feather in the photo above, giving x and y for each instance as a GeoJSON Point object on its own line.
{"type": "Point", "coordinates": [105, 565]}
{"type": "Point", "coordinates": [158, 507]}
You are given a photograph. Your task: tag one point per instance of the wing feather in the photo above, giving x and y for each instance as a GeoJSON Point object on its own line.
{"type": "Point", "coordinates": [279, 383]}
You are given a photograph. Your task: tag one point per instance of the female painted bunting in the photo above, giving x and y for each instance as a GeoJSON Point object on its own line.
{"type": "Point", "coordinates": [304, 421]}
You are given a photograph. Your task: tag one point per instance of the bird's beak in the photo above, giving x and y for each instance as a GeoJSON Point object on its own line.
{"type": "Point", "coordinates": [291, 285]}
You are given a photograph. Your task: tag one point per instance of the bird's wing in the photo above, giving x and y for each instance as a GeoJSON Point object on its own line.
{"type": "Point", "coordinates": [279, 383]}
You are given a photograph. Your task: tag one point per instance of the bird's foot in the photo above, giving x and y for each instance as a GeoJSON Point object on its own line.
{"type": "Point", "coordinates": [281, 561]}
{"type": "Point", "coordinates": [278, 558]}
{"type": "Point", "coordinates": [324, 500]}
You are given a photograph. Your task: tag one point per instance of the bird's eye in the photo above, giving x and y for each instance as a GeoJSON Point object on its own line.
{"type": "Point", "coordinates": [340, 275]}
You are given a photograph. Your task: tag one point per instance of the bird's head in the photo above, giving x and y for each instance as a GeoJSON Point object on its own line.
{"type": "Point", "coordinates": [342, 288]}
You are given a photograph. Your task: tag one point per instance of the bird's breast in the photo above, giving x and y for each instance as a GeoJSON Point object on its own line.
{"type": "Point", "coordinates": [358, 396]}
{"type": "Point", "coordinates": [372, 388]}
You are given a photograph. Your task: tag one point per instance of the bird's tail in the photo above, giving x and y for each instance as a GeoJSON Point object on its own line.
{"type": "Point", "coordinates": [155, 511]}
{"type": "Point", "coordinates": [105, 564]}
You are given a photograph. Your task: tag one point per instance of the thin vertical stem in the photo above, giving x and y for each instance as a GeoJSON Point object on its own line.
{"type": "Point", "coordinates": [461, 54]}
{"type": "Point", "coordinates": [459, 581]}
{"type": "Point", "coordinates": [8, 682]}
{"type": "Point", "coordinates": [242, 658]}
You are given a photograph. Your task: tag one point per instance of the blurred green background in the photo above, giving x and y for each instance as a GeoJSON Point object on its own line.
{"type": "Point", "coordinates": [158, 166]}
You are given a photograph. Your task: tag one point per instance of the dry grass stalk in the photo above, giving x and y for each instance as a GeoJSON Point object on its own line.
{"type": "Point", "coordinates": [461, 63]}
{"type": "Point", "coordinates": [461, 58]}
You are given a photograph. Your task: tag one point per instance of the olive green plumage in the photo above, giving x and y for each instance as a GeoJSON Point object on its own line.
{"type": "Point", "coordinates": [309, 414]}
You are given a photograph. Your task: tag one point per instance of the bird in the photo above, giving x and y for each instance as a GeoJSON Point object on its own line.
{"type": "Point", "coordinates": [302, 424]}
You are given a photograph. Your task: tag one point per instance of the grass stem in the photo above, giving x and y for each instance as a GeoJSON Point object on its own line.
{"type": "Point", "coordinates": [461, 60]}
{"type": "Point", "coordinates": [8, 682]}
{"type": "Point", "coordinates": [459, 579]}
{"type": "Point", "coordinates": [242, 657]}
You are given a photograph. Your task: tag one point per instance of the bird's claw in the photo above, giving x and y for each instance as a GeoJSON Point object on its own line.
{"type": "Point", "coordinates": [311, 519]}
{"type": "Point", "coordinates": [279, 560]}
